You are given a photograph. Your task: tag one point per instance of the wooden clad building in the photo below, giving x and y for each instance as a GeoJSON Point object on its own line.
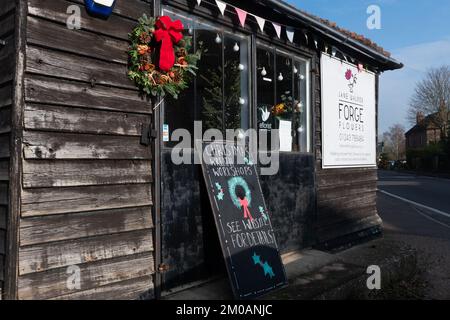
{"type": "Point", "coordinates": [79, 189]}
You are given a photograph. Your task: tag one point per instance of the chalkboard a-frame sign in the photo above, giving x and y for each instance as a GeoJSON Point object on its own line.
{"type": "Point", "coordinates": [248, 242]}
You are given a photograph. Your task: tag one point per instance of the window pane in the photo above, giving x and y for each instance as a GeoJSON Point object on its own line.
{"type": "Point", "coordinates": [284, 107]}
{"type": "Point", "coordinates": [301, 111]}
{"type": "Point", "coordinates": [210, 79]}
{"type": "Point", "coordinates": [265, 93]}
{"type": "Point", "coordinates": [236, 83]}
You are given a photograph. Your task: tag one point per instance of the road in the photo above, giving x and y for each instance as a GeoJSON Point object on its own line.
{"type": "Point", "coordinates": [416, 210]}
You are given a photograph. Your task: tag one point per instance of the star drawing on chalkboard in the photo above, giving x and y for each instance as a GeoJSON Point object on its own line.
{"type": "Point", "coordinates": [268, 270]}
{"type": "Point", "coordinates": [256, 258]}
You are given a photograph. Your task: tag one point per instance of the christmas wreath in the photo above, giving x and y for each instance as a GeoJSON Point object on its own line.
{"type": "Point", "coordinates": [160, 61]}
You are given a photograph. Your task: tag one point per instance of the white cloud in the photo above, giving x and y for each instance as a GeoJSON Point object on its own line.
{"type": "Point", "coordinates": [397, 87]}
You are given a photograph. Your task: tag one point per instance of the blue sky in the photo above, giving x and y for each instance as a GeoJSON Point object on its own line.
{"type": "Point", "coordinates": [416, 32]}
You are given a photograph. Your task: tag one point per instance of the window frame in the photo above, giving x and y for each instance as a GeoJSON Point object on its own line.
{"type": "Point", "coordinates": [255, 41]}
{"type": "Point", "coordinates": [295, 57]}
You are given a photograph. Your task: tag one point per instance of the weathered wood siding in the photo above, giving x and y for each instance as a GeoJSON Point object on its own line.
{"type": "Point", "coordinates": [7, 62]}
{"type": "Point", "coordinates": [87, 180]}
{"type": "Point", "coordinates": [346, 198]}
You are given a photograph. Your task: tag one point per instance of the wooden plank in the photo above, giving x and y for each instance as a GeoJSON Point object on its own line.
{"type": "Point", "coordinates": [4, 170]}
{"type": "Point", "coordinates": [6, 69]}
{"type": "Point", "coordinates": [2, 242]}
{"type": "Point", "coordinates": [46, 285]}
{"type": "Point", "coordinates": [132, 9]}
{"type": "Point", "coordinates": [46, 145]}
{"type": "Point", "coordinates": [2, 273]}
{"type": "Point", "coordinates": [346, 204]}
{"type": "Point", "coordinates": [44, 257]}
{"type": "Point", "coordinates": [3, 213]}
{"type": "Point", "coordinates": [125, 290]}
{"type": "Point", "coordinates": [7, 24]}
{"type": "Point", "coordinates": [4, 146]}
{"type": "Point", "coordinates": [74, 67]}
{"type": "Point", "coordinates": [5, 120]}
{"type": "Point", "coordinates": [78, 120]}
{"type": "Point", "coordinates": [334, 178]}
{"type": "Point", "coordinates": [65, 93]}
{"type": "Point", "coordinates": [328, 217]}
{"type": "Point", "coordinates": [56, 10]}
{"type": "Point", "coordinates": [86, 224]}
{"type": "Point", "coordinates": [73, 173]}
{"type": "Point", "coordinates": [5, 95]}
{"type": "Point", "coordinates": [4, 194]}
{"type": "Point", "coordinates": [45, 201]}
{"type": "Point", "coordinates": [6, 7]}
{"type": "Point", "coordinates": [346, 191]}
{"type": "Point", "coordinates": [347, 227]}
{"type": "Point", "coordinates": [52, 35]}
{"type": "Point", "coordinates": [7, 51]}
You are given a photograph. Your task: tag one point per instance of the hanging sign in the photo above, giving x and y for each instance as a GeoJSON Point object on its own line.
{"type": "Point", "coordinates": [348, 115]}
{"type": "Point", "coordinates": [246, 235]}
{"type": "Point", "coordinates": [103, 8]}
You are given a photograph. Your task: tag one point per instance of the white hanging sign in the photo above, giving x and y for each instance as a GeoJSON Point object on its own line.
{"type": "Point", "coordinates": [348, 115]}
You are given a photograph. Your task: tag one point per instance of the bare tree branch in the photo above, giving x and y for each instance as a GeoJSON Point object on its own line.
{"type": "Point", "coordinates": [430, 94]}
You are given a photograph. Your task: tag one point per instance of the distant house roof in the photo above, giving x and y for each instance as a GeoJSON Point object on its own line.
{"type": "Point", "coordinates": [429, 122]}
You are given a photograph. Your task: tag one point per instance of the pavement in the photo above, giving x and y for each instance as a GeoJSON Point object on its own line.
{"type": "Point", "coordinates": [317, 275]}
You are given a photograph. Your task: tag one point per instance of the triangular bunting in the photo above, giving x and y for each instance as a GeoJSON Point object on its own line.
{"type": "Point", "coordinates": [222, 6]}
{"type": "Point", "coordinates": [242, 15]}
{"type": "Point", "coordinates": [261, 22]}
{"type": "Point", "coordinates": [199, 2]}
{"type": "Point", "coordinates": [290, 34]}
{"type": "Point", "coordinates": [277, 28]}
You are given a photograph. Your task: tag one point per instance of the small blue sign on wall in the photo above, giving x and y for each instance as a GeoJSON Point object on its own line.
{"type": "Point", "coordinates": [102, 8]}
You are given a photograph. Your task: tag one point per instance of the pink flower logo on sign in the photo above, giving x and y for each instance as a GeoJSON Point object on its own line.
{"type": "Point", "coordinates": [351, 78]}
{"type": "Point", "coordinates": [348, 74]}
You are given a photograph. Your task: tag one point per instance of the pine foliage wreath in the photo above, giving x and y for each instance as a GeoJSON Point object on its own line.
{"type": "Point", "coordinates": [154, 68]}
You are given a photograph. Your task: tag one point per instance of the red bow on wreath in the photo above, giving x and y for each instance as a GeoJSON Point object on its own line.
{"type": "Point", "coordinates": [167, 32]}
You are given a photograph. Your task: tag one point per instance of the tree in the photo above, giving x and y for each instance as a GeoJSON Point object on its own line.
{"type": "Point", "coordinates": [394, 142]}
{"type": "Point", "coordinates": [432, 96]}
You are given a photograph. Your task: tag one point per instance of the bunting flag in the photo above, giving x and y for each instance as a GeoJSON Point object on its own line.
{"type": "Point", "coordinates": [222, 6]}
{"type": "Point", "coordinates": [242, 15]}
{"type": "Point", "coordinates": [290, 34]}
{"type": "Point", "coordinates": [261, 22]}
{"type": "Point", "coordinates": [199, 2]}
{"type": "Point", "coordinates": [277, 28]}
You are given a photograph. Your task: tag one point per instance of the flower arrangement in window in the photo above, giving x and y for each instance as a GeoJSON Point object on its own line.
{"type": "Point", "coordinates": [287, 107]}
{"type": "Point", "coordinates": [159, 58]}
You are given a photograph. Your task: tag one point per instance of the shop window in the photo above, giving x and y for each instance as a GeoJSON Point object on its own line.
{"type": "Point", "coordinates": [219, 94]}
{"type": "Point", "coordinates": [282, 99]}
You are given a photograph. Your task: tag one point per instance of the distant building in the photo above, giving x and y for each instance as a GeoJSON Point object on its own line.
{"type": "Point", "coordinates": [426, 131]}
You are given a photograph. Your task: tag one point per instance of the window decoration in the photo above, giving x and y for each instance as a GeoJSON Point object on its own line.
{"type": "Point", "coordinates": [160, 59]}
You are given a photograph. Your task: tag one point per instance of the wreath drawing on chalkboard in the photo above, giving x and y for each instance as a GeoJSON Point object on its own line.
{"type": "Point", "coordinates": [160, 61]}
